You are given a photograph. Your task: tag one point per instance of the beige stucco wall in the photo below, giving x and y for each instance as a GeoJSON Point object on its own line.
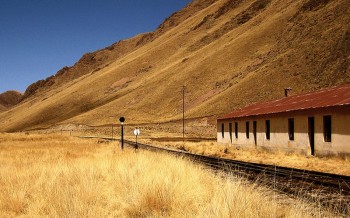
{"type": "Point", "coordinates": [241, 140]}
{"type": "Point", "coordinates": [279, 139]}
{"type": "Point", "coordinates": [340, 143]}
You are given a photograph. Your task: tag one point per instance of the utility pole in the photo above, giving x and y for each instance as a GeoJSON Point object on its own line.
{"type": "Point", "coordinates": [112, 132]}
{"type": "Point", "coordinates": [183, 113]}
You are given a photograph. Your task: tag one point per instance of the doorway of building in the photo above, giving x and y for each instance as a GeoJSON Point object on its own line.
{"type": "Point", "coordinates": [254, 132]}
{"type": "Point", "coordinates": [311, 132]}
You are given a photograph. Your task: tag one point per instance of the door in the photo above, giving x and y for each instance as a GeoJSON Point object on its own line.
{"type": "Point", "coordinates": [311, 132]}
{"type": "Point", "coordinates": [230, 131]}
{"type": "Point", "coordinates": [254, 132]}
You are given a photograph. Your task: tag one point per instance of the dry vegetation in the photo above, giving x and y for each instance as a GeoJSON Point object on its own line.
{"type": "Point", "coordinates": [322, 164]}
{"type": "Point", "coordinates": [46, 175]}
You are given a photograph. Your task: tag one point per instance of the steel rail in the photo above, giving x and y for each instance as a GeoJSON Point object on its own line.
{"type": "Point", "coordinates": [339, 181]}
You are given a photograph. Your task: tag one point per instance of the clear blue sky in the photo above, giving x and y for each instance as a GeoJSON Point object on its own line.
{"type": "Point", "coordinates": [39, 37]}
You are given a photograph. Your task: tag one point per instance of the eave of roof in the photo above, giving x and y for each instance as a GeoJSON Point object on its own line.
{"type": "Point", "coordinates": [329, 97]}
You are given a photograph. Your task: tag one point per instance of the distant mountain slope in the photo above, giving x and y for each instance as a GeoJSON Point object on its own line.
{"type": "Point", "coordinates": [9, 99]}
{"type": "Point", "coordinates": [227, 53]}
{"type": "Point", "coordinates": [2, 108]}
{"type": "Point", "coordinates": [93, 62]}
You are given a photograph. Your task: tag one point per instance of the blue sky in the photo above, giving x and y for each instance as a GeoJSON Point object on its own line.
{"type": "Point", "coordinates": [39, 37]}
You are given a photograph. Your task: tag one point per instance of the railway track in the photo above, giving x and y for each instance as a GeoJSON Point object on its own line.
{"type": "Point", "coordinates": [329, 190]}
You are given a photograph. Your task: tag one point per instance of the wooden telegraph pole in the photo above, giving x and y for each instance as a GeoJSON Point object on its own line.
{"type": "Point", "coordinates": [183, 113]}
{"type": "Point", "coordinates": [112, 132]}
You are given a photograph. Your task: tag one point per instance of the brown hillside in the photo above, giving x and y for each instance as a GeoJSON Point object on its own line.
{"type": "Point", "coordinates": [88, 63]}
{"type": "Point", "coordinates": [95, 61]}
{"type": "Point", "coordinates": [9, 99]}
{"type": "Point", "coordinates": [227, 53]}
{"type": "Point", "coordinates": [2, 108]}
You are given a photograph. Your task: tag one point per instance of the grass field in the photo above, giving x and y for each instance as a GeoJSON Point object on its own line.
{"type": "Point", "coordinates": [56, 176]}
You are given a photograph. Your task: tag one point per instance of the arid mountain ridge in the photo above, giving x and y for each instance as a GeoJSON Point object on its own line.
{"type": "Point", "coordinates": [9, 99]}
{"type": "Point", "coordinates": [227, 53]}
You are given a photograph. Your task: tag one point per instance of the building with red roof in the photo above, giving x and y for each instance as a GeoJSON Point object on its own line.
{"type": "Point", "coordinates": [315, 123]}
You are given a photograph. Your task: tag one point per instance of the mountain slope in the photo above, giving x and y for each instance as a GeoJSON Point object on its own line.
{"type": "Point", "coordinates": [227, 53]}
{"type": "Point", "coordinates": [9, 99]}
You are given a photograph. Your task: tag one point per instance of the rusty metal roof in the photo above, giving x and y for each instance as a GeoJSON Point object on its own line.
{"type": "Point", "coordinates": [334, 96]}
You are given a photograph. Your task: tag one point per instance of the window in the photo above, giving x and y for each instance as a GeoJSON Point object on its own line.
{"type": "Point", "coordinates": [236, 130]}
{"type": "Point", "coordinates": [327, 128]}
{"type": "Point", "coordinates": [291, 128]}
{"type": "Point", "coordinates": [247, 129]}
{"type": "Point", "coordinates": [230, 131]}
{"type": "Point", "coordinates": [267, 129]}
{"type": "Point", "coordinates": [223, 130]}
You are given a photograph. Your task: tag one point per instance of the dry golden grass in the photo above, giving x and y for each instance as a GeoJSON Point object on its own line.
{"type": "Point", "coordinates": [57, 176]}
{"type": "Point", "coordinates": [322, 164]}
